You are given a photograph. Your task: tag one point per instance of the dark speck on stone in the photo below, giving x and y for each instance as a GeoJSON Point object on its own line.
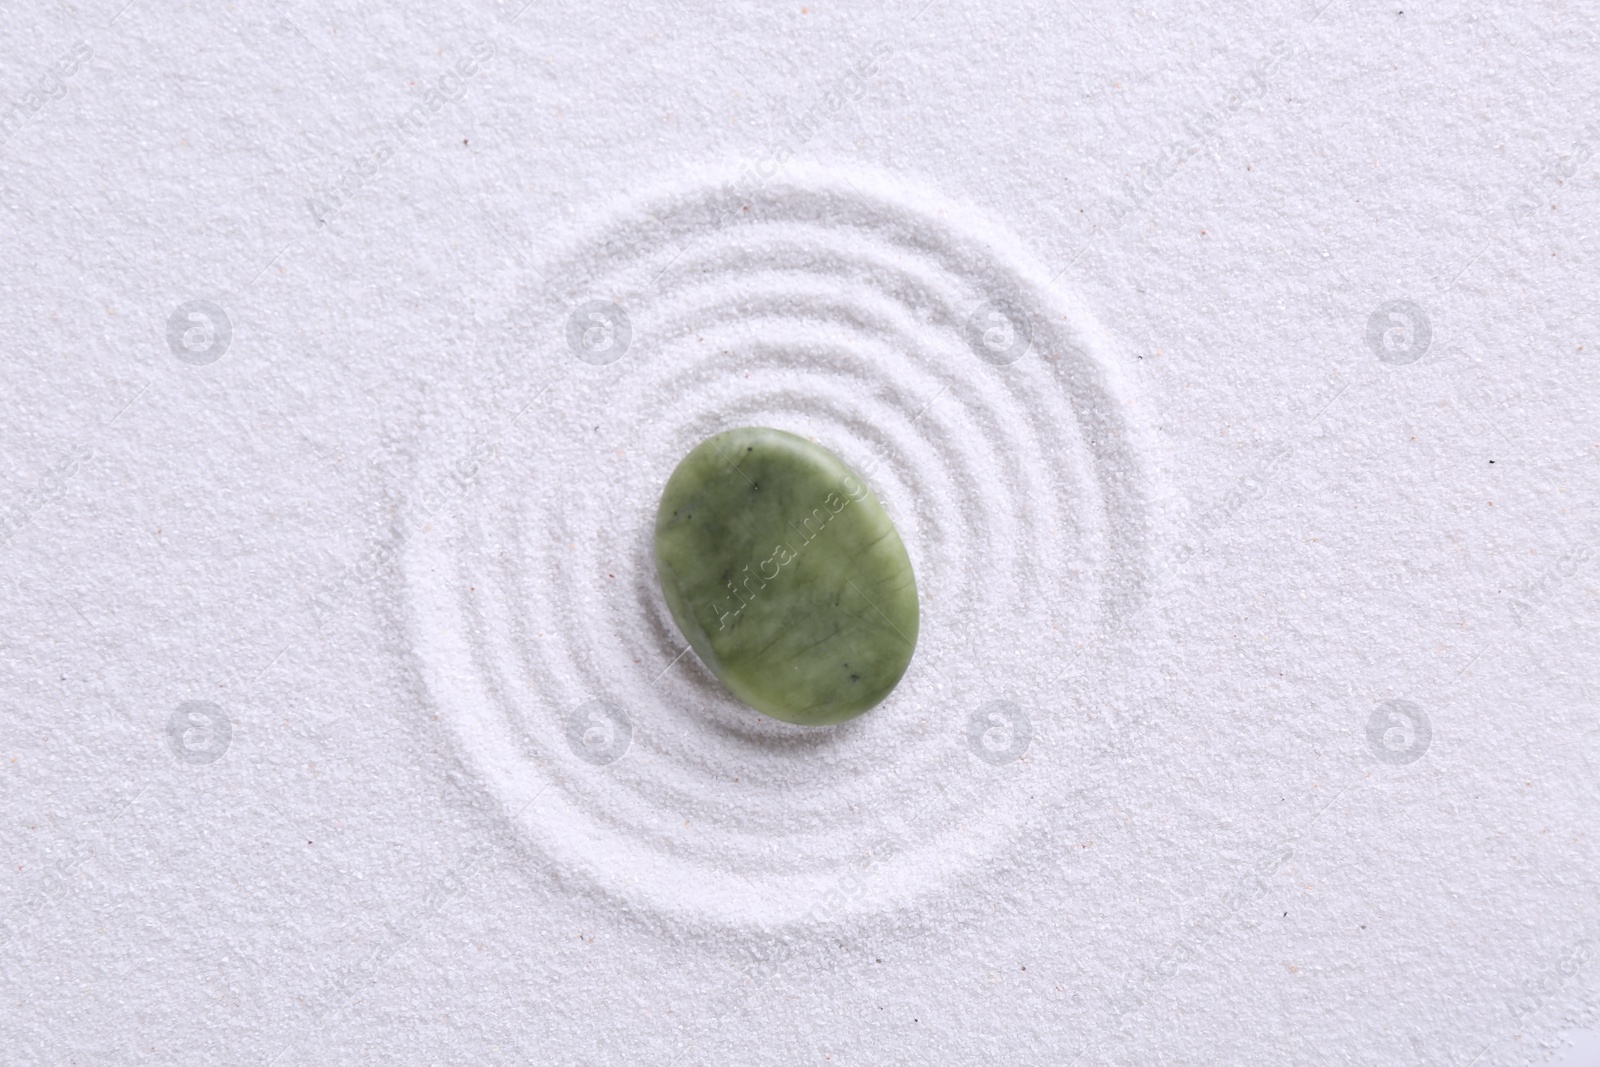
{"type": "Point", "coordinates": [759, 586]}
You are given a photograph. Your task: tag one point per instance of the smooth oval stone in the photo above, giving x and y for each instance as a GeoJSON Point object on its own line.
{"type": "Point", "coordinates": [786, 576]}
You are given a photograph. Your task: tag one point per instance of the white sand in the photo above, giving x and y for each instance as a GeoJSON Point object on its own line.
{"type": "Point", "coordinates": [1253, 718]}
{"type": "Point", "coordinates": [833, 306]}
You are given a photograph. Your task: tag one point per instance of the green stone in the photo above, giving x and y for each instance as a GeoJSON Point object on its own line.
{"type": "Point", "coordinates": [786, 576]}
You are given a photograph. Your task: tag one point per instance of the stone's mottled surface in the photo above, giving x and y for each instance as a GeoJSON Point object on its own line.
{"type": "Point", "coordinates": [786, 576]}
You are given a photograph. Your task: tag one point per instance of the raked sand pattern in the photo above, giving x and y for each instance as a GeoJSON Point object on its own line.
{"type": "Point", "coordinates": [982, 406]}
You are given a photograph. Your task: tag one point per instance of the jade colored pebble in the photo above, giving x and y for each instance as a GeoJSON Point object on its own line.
{"type": "Point", "coordinates": [786, 576]}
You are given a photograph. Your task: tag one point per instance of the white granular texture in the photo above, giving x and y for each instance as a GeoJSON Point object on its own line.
{"type": "Point", "coordinates": [1229, 375]}
{"type": "Point", "coordinates": [857, 317]}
